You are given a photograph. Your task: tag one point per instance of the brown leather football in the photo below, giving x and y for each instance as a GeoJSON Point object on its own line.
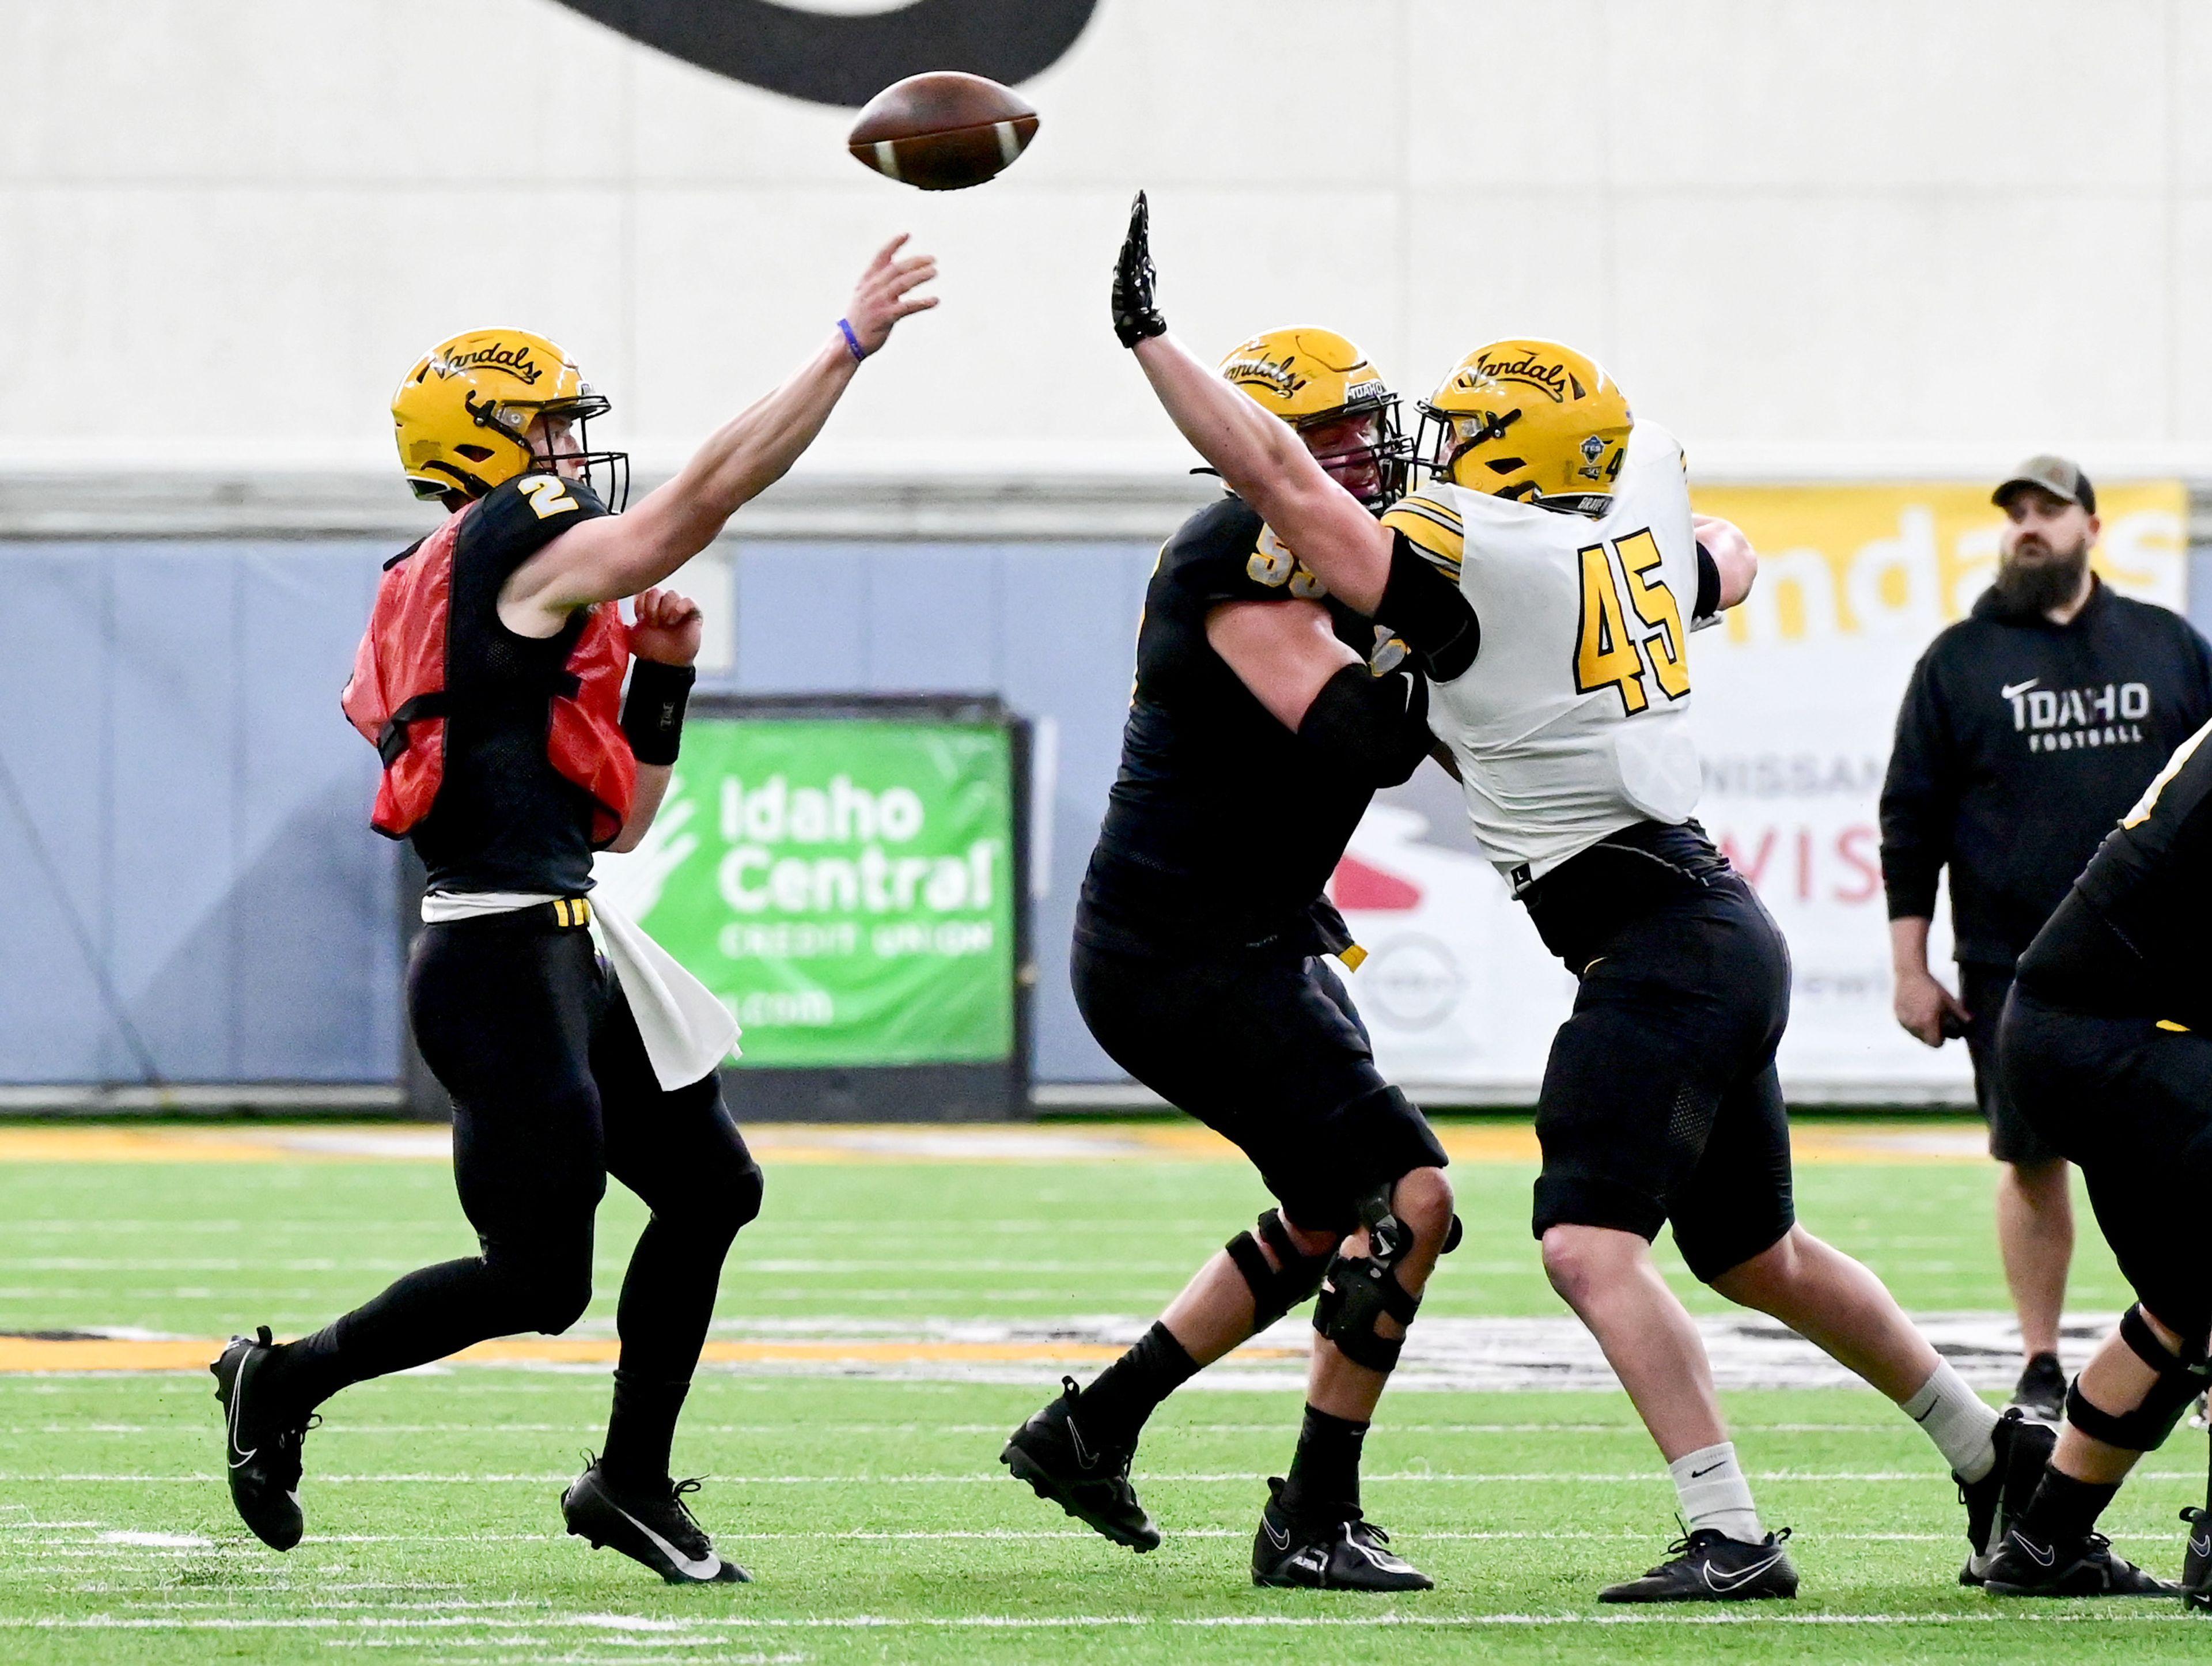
{"type": "Point", "coordinates": [944, 131]}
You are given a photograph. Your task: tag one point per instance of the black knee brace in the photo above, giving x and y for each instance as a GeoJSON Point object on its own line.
{"type": "Point", "coordinates": [1275, 1290]}
{"type": "Point", "coordinates": [2145, 1428]}
{"type": "Point", "coordinates": [1359, 1289]}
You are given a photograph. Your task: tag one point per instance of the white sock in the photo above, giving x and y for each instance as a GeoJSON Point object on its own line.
{"type": "Point", "coordinates": [1715, 1494]}
{"type": "Point", "coordinates": [1958, 1420]}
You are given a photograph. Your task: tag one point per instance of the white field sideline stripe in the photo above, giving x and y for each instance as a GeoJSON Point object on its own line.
{"type": "Point", "coordinates": [87, 1547]}
{"type": "Point", "coordinates": [1242, 1477]}
{"type": "Point", "coordinates": [707, 1624]}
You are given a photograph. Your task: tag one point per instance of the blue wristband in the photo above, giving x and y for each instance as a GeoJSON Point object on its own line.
{"type": "Point", "coordinates": [853, 342]}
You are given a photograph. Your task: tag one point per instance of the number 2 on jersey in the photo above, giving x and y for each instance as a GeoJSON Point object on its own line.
{"type": "Point", "coordinates": [1609, 653]}
{"type": "Point", "coordinates": [548, 494]}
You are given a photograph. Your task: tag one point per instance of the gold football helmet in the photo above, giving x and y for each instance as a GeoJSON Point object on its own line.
{"type": "Point", "coordinates": [1530, 420]}
{"type": "Point", "coordinates": [464, 413]}
{"type": "Point", "coordinates": [1315, 380]}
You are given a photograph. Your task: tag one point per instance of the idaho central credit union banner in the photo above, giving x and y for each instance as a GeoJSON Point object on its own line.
{"type": "Point", "coordinates": [844, 885]}
{"type": "Point", "coordinates": [1796, 700]}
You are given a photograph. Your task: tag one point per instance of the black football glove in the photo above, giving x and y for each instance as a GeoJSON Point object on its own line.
{"type": "Point", "coordinates": [1135, 314]}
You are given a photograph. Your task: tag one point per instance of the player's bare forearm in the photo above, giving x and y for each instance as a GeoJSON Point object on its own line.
{"type": "Point", "coordinates": [1724, 541]}
{"type": "Point", "coordinates": [621, 555]}
{"type": "Point", "coordinates": [618, 555]}
{"type": "Point", "coordinates": [644, 805]}
{"type": "Point", "coordinates": [1264, 462]}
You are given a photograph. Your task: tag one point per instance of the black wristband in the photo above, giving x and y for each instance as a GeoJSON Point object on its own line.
{"type": "Point", "coordinates": [1709, 586]}
{"type": "Point", "coordinates": [1375, 728]}
{"type": "Point", "coordinates": [652, 712]}
{"type": "Point", "coordinates": [1430, 611]}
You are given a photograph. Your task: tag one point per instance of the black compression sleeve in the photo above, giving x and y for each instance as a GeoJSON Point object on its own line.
{"type": "Point", "coordinates": [1709, 586]}
{"type": "Point", "coordinates": [1429, 611]}
{"type": "Point", "coordinates": [653, 711]}
{"type": "Point", "coordinates": [1374, 727]}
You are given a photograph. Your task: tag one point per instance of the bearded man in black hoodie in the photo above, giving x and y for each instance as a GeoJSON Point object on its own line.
{"type": "Point", "coordinates": [2026, 732]}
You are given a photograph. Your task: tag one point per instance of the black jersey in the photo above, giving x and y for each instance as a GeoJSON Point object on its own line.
{"type": "Point", "coordinates": [2129, 940]}
{"type": "Point", "coordinates": [505, 819]}
{"type": "Point", "coordinates": [1223, 827]}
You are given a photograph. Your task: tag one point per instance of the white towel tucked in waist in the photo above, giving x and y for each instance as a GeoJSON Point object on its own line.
{"type": "Point", "coordinates": [687, 1031]}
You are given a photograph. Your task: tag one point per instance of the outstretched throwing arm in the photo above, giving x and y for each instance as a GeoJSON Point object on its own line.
{"type": "Point", "coordinates": [618, 556]}
{"type": "Point", "coordinates": [1262, 459]}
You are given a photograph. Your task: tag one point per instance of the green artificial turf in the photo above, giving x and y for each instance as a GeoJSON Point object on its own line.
{"type": "Point", "coordinates": [873, 1514]}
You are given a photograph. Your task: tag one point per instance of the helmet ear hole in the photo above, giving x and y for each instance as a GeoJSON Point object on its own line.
{"type": "Point", "coordinates": [475, 453]}
{"type": "Point", "coordinates": [1506, 465]}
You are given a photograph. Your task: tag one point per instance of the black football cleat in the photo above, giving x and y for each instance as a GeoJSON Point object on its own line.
{"type": "Point", "coordinates": [261, 1449]}
{"type": "Point", "coordinates": [1994, 1502]}
{"type": "Point", "coordinates": [2041, 1392]}
{"type": "Point", "coordinates": [649, 1525]}
{"type": "Point", "coordinates": [1090, 1483]}
{"type": "Point", "coordinates": [1349, 1553]}
{"type": "Point", "coordinates": [1709, 1567]}
{"type": "Point", "coordinates": [2086, 1567]}
{"type": "Point", "coordinates": [2197, 1559]}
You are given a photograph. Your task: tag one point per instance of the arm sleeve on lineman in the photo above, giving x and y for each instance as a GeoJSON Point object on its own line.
{"type": "Point", "coordinates": [1919, 796]}
{"type": "Point", "coordinates": [1423, 602]}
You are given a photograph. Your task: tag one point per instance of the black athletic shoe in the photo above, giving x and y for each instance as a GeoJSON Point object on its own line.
{"type": "Point", "coordinates": [1090, 1483]}
{"type": "Point", "coordinates": [263, 1452]}
{"type": "Point", "coordinates": [1349, 1553]}
{"type": "Point", "coordinates": [1709, 1567]}
{"type": "Point", "coordinates": [650, 1526]}
{"type": "Point", "coordinates": [2042, 1390]}
{"type": "Point", "coordinates": [2085, 1567]}
{"type": "Point", "coordinates": [1995, 1501]}
{"type": "Point", "coordinates": [2197, 1559]}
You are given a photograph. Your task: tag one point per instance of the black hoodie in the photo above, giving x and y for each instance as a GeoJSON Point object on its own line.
{"type": "Point", "coordinates": [2020, 744]}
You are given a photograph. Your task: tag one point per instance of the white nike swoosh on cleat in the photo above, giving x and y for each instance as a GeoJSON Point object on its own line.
{"type": "Point", "coordinates": [2040, 1558]}
{"type": "Point", "coordinates": [237, 1400]}
{"type": "Point", "coordinates": [1280, 1541]}
{"type": "Point", "coordinates": [2202, 1547]}
{"type": "Point", "coordinates": [684, 1564]}
{"type": "Point", "coordinates": [1734, 1579]}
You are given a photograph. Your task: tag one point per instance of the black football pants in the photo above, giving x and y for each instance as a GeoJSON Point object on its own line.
{"type": "Point", "coordinates": [552, 1092]}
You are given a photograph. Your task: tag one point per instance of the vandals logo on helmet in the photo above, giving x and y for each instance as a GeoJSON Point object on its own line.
{"type": "Point", "coordinates": [1276, 375]}
{"type": "Point", "coordinates": [515, 360]}
{"type": "Point", "coordinates": [847, 57]}
{"type": "Point", "coordinates": [1552, 378]}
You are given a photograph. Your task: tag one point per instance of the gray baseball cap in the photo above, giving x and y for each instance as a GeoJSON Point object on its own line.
{"type": "Point", "coordinates": [2061, 477]}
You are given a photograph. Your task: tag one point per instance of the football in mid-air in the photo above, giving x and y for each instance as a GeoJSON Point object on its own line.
{"type": "Point", "coordinates": [944, 131]}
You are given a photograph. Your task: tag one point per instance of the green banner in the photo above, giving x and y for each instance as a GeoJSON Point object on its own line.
{"type": "Point", "coordinates": [845, 886]}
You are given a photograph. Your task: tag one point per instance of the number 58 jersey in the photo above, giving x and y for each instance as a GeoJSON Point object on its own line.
{"type": "Point", "coordinates": [1572, 722]}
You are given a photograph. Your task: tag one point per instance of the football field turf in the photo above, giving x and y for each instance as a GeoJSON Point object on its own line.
{"type": "Point", "coordinates": [906, 1297]}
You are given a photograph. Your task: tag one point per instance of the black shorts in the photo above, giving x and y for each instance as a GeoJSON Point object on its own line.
{"type": "Point", "coordinates": [1660, 1101]}
{"type": "Point", "coordinates": [2131, 1103]}
{"type": "Point", "coordinates": [2013, 1138]}
{"type": "Point", "coordinates": [1266, 1050]}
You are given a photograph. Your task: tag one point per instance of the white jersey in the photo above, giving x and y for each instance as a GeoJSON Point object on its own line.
{"type": "Point", "coordinates": [1572, 722]}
